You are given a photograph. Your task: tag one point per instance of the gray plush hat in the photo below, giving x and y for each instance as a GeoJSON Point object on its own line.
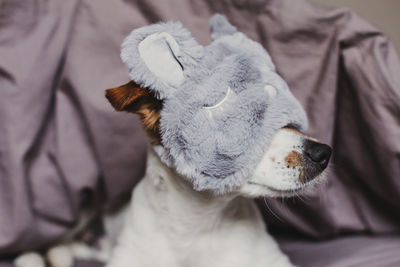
{"type": "Point", "coordinates": [221, 104]}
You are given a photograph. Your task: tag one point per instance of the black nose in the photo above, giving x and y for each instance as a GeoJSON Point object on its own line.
{"type": "Point", "coordinates": [318, 153]}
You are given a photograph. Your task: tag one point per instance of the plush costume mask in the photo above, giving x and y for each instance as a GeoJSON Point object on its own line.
{"type": "Point", "coordinates": [221, 104]}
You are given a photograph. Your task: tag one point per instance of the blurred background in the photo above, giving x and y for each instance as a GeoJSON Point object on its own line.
{"type": "Point", "coordinates": [382, 13]}
{"type": "Point", "coordinates": [63, 148]}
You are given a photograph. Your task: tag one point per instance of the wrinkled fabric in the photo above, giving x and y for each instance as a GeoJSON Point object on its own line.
{"type": "Point", "coordinates": [347, 251]}
{"type": "Point", "coordinates": [61, 143]}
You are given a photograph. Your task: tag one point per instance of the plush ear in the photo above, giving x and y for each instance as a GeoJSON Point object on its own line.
{"type": "Point", "coordinates": [220, 26]}
{"type": "Point", "coordinates": [159, 55]}
{"type": "Point", "coordinates": [131, 97]}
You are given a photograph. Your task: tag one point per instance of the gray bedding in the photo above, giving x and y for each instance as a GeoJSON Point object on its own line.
{"type": "Point", "coordinates": [61, 144]}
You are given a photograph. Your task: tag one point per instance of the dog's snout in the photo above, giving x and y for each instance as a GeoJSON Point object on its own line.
{"type": "Point", "coordinates": [318, 153]}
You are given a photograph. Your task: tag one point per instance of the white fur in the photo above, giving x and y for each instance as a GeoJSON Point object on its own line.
{"type": "Point", "coordinates": [60, 256]}
{"type": "Point", "coordinates": [29, 259]}
{"type": "Point", "coordinates": [170, 224]}
{"type": "Point", "coordinates": [272, 172]}
{"type": "Point", "coordinates": [65, 254]}
{"type": "Point", "coordinates": [167, 223]}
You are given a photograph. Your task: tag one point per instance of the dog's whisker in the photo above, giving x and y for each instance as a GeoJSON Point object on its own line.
{"type": "Point", "coordinates": [299, 197]}
{"type": "Point", "coordinates": [273, 213]}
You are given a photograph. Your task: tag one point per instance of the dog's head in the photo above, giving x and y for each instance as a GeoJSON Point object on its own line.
{"type": "Point", "coordinates": [220, 115]}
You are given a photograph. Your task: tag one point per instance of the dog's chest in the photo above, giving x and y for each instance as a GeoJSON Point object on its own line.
{"type": "Point", "coordinates": [229, 245]}
{"type": "Point", "coordinates": [169, 224]}
{"type": "Point", "coordinates": [237, 237]}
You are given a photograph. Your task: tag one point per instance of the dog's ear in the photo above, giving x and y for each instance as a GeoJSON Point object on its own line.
{"type": "Point", "coordinates": [158, 56]}
{"type": "Point", "coordinates": [127, 97]}
{"type": "Point", "coordinates": [220, 26]}
{"type": "Point", "coordinates": [131, 97]}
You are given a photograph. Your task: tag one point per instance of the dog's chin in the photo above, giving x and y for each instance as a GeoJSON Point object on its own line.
{"type": "Point", "coordinates": [258, 189]}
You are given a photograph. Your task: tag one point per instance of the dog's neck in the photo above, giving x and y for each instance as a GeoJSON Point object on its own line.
{"type": "Point", "coordinates": [176, 203]}
{"type": "Point", "coordinates": [170, 224]}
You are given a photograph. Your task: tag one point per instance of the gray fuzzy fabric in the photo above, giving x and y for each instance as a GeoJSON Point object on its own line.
{"type": "Point", "coordinates": [217, 148]}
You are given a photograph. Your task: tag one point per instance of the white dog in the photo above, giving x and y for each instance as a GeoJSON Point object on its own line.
{"type": "Point", "coordinates": [195, 208]}
{"type": "Point", "coordinates": [170, 224]}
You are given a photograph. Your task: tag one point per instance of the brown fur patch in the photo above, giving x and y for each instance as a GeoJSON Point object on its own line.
{"type": "Point", "coordinates": [131, 97]}
{"type": "Point", "coordinates": [293, 159]}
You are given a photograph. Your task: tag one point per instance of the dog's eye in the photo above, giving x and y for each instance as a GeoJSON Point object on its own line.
{"type": "Point", "coordinates": [228, 92]}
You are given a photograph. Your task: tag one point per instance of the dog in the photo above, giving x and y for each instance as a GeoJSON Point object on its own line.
{"type": "Point", "coordinates": [223, 129]}
{"type": "Point", "coordinates": [171, 224]}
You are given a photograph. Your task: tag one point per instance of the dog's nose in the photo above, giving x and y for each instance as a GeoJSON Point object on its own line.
{"type": "Point", "coordinates": [318, 153]}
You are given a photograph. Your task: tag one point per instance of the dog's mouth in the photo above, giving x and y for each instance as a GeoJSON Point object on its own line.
{"type": "Point", "coordinates": [285, 192]}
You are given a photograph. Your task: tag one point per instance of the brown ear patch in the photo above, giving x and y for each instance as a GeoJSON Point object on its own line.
{"type": "Point", "coordinates": [125, 97]}
{"type": "Point", "coordinates": [131, 97]}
